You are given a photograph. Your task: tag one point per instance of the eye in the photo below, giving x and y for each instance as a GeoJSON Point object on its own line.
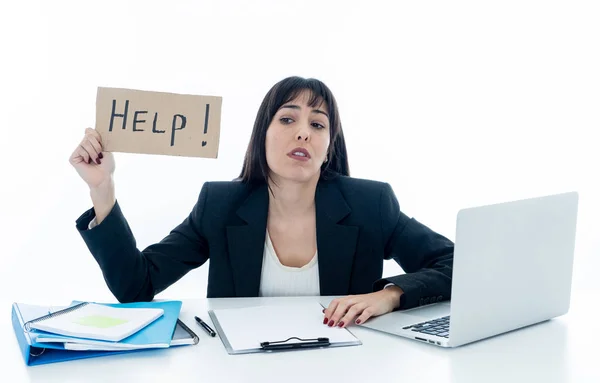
{"type": "Point", "coordinates": [317, 125]}
{"type": "Point", "coordinates": [286, 120]}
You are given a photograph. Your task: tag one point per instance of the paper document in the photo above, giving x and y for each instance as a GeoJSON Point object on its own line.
{"type": "Point", "coordinates": [100, 322]}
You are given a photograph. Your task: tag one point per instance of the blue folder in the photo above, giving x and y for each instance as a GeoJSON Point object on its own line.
{"type": "Point", "coordinates": [34, 353]}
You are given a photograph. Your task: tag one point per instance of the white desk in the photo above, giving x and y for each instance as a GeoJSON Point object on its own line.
{"type": "Point", "coordinates": [560, 350]}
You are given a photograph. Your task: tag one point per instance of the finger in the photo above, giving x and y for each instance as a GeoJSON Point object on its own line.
{"type": "Point", "coordinates": [352, 313]}
{"type": "Point", "coordinates": [80, 155]}
{"type": "Point", "coordinates": [95, 144]}
{"type": "Point", "coordinates": [85, 144]}
{"type": "Point", "coordinates": [328, 312]}
{"type": "Point", "coordinates": [340, 311]}
{"type": "Point", "coordinates": [96, 140]}
{"type": "Point", "coordinates": [94, 132]}
{"type": "Point", "coordinates": [366, 314]}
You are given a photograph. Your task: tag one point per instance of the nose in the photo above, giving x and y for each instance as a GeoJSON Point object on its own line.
{"type": "Point", "coordinates": [303, 132]}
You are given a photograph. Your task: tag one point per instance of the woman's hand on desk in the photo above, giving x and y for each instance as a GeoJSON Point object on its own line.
{"type": "Point", "coordinates": [358, 308]}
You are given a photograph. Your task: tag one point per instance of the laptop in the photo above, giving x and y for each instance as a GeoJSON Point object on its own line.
{"type": "Point", "coordinates": [513, 266]}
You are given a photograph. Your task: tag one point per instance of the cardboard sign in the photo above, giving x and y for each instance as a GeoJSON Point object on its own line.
{"type": "Point", "coordinates": [135, 121]}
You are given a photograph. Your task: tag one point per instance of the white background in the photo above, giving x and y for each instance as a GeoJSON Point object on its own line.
{"type": "Point", "coordinates": [455, 104]}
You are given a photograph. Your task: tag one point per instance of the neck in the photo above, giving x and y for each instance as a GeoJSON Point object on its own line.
{"type": "Point", "coordinates": [291, 199]}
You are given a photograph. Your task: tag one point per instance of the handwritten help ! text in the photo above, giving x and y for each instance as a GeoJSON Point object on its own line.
{"type": "Point", "coordinates": [136, 121]}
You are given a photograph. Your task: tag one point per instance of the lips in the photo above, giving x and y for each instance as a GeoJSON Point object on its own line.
{"type": "Point", "coordinates": [299, 154]}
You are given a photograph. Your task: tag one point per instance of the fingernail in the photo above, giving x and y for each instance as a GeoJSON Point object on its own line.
{"type": "Point", "coordinates": [330, 323]}
{"type": "Point", "coordinates": [100, 155]}
{"type": "Point", "coordinates": [98, 161]}
{"type": "Point", "coordinates": [358, 321]}
{"type": "Point", "coordinates": [323, 310]}
{"type": "Point", "coordinates": [325, 321]}
{"type": "Point", "coordinates": [341, 324]}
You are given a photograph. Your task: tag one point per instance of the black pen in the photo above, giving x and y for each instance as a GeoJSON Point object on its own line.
{"type": "Point", "coordinates": [206, 327]}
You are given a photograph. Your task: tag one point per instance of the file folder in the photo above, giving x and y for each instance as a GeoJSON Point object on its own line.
{"type": "Point", "coordinates": [36, 353]}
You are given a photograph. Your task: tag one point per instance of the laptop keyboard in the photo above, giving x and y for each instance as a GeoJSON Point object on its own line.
{"type": "Point", "coordinates": [438, 327]}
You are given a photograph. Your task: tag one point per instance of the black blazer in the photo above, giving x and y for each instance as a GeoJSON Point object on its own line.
{"type": "Point", "coordinates": [359, 224]}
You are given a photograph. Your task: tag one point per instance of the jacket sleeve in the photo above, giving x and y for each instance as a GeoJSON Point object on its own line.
{"type": "Point", "coordinates": [425, 256]}
{"type": "Point", "coordinates": [134, 275]}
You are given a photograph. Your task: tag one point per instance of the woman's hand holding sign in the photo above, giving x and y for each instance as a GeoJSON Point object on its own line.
{"type": "Point", "coordinates": [96, 168]}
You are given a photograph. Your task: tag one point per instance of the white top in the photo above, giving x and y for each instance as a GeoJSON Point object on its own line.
{"type": "Point", "coordinates": [279, 280]}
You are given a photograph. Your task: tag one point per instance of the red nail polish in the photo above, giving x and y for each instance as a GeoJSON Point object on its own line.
{"type": "Point", "coordinates": [98, 161]}
{"type": "Point", "coordinates": [90, 160]}
{"type": "Point", "coordinates": [100, 155]}
{"type": "Point", "coordinates": [330, 323]}
{"type": "Point", "coordinates": [358, 321]}
{"type": "Point", "coordinates": [325, 321]}
{"type": "Point", "coordinates": [341, 324]}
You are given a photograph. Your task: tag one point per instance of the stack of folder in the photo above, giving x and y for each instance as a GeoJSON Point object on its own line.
{"type": "Point", "coordinates": [85, 330]}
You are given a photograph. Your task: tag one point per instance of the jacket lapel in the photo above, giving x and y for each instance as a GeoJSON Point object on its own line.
{"type": "Point", "coordinates": [246, 243]}
{"type": "Point", "coordinates": [336, 243]}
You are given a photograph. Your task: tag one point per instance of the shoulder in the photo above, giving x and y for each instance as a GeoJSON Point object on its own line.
{"type": "Point", "coordinates": [370, 200]}
{"type": "Point", "coordinates": [228, 187]}
{"type": "Point", "coordinates": [359, 192]}
{"type": "Point", "coordinates": [219, 200]}
{"type": "Point", "coordinates": [350, 186]}
{"type": "Point", "coordinates": [225, 191]}
{"type": "Point", "coordinates": [350, 182]}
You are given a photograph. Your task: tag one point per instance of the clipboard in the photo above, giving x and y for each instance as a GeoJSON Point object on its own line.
{"type": "Point", "coordinates": [275, 328]}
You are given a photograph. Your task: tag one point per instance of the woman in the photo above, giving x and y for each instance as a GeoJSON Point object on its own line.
{"type": "Point", "coordinates": [294, 223]}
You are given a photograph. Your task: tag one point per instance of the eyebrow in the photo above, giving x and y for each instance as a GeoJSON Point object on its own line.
{"type": "Point", "coordinates": [297, 107]}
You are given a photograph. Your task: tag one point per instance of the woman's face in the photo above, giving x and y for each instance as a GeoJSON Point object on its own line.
{"type": "Point", "coordinates": [297, 140]}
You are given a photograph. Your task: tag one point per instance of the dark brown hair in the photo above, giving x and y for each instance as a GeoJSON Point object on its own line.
{"type": "Point", "coordinates": [255, 168]}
